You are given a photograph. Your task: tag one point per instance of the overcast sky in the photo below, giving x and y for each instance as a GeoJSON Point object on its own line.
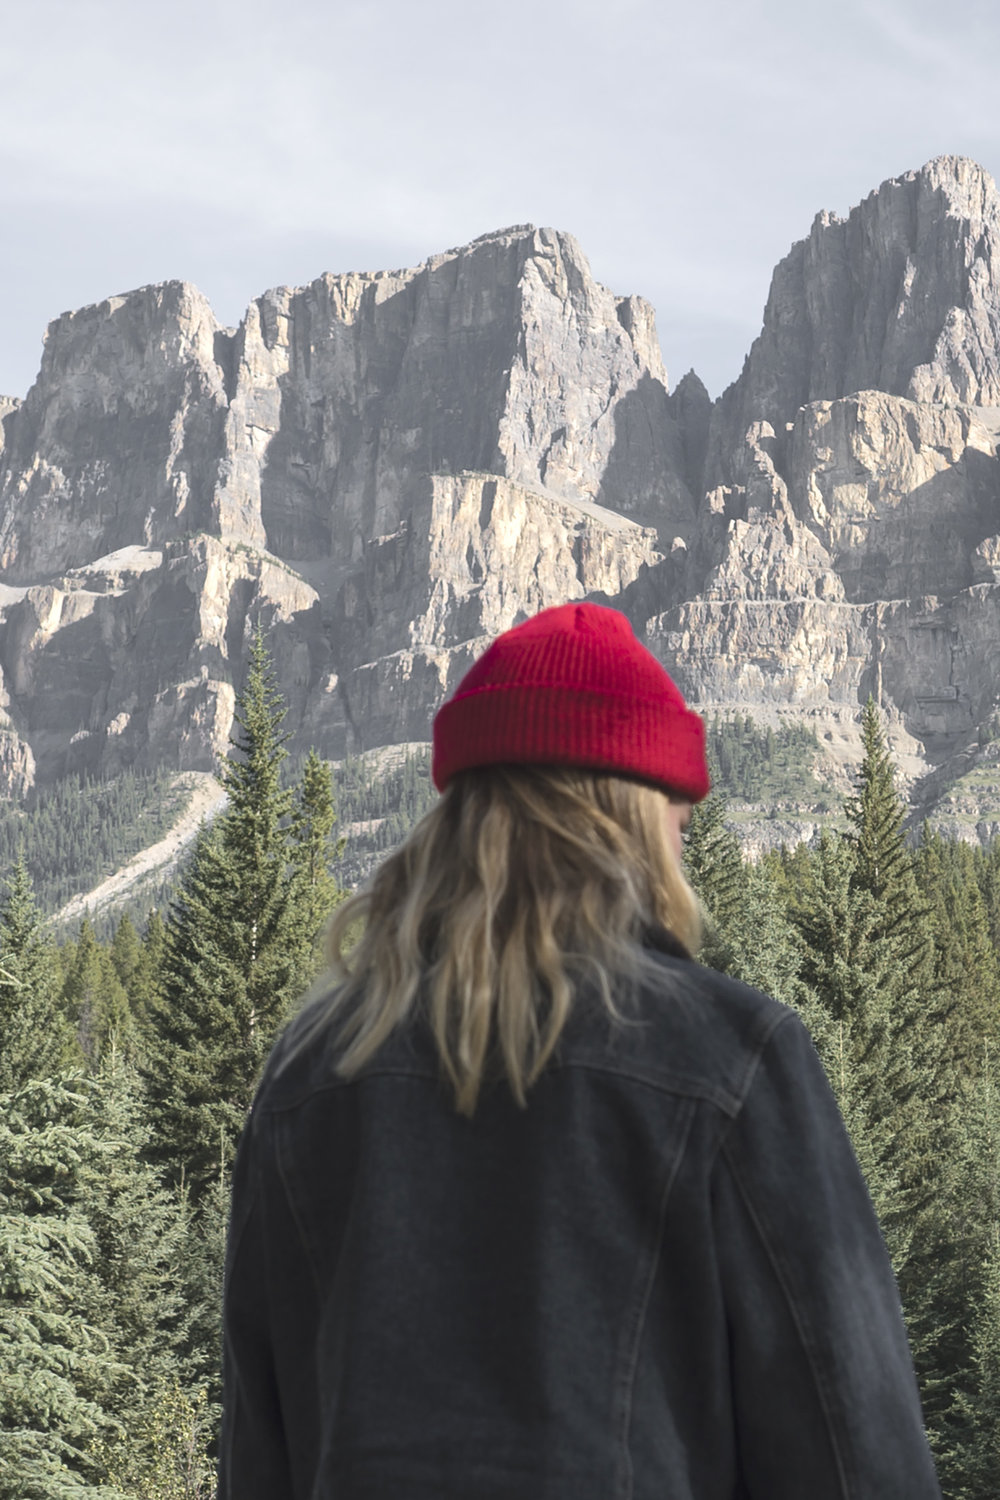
{"type": "Point", "coordinates": [243, 145]}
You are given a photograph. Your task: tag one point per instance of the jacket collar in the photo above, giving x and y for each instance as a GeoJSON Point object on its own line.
{"type": "Point", "coordinates": [665, 942]}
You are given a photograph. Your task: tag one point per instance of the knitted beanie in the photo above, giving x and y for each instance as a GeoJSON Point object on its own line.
{"type": "Point", "coordinates": [572, 687]}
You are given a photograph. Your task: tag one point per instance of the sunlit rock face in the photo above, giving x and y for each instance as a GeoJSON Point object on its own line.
{"type": "Point", "coordinates": [504, 357]}
{"type": "Point", "coordinates": [118, 442]}
{"type": "Point", "coordinates": [385, 469]}
{"type": "Point", "coordinates": [381, 469]}
{"type": "Point", "coordinates": [902, 296]}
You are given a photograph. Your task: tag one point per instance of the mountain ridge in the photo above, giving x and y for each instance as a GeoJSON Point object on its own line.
{"type": "Point", "coordinates": [387, 468]}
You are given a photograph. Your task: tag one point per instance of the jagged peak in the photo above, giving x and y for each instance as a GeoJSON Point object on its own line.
{"type": "Point", "coordinates": [691, 383]}
{"type": "Point", "coordinates": [960, 168]}
{"type": "Point", "coordinates": [962, 179]}
{"type": "Point", "coordinates": [169, 294]}
{"type": "Point", "coordinates": [328, 279]}
{"type": "Point", "coordinates": [967, 183]}
{"type": "Point", "coordinates": [513, 231]}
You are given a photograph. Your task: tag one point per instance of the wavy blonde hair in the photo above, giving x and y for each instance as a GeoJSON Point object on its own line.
{"type": "Point", "coordinates": [520, 882]}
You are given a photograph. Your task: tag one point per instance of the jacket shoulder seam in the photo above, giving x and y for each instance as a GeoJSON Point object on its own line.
{"type": "Point", "coordinates": [677, 1084]}
{"type": "Point", "coordinates": [778, 1018]}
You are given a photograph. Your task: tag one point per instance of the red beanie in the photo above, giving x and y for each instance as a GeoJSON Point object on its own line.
{"type": "Point", "coordinates": [572, 687]}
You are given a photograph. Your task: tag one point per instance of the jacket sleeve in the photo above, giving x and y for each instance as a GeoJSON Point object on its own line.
{"type": "Point", "coordinates": [253, 1455]}
{"type": "Point", "coordinates": [825, 1397]}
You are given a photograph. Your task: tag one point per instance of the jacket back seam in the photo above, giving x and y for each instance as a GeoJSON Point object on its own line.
{"type": "Point", "coordinates": [296, 1220]}
{"type": "Point", "coordinates": [633, 1328]}
{"type": "Point", "coordinates": [776, 1265]}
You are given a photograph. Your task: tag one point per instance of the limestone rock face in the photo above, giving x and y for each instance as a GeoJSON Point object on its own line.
{"type": "Point", "coordinates": [386, 469]}
{"type": "Point", "coordinates": [504, 357]}
{"type": "Point", "coordinates": [383, 468]}
{"type": "Point", "coordinates": [902, 296]}
{"type": "Point", "coordinates": [900, 493]}
{"type": "Point", "coordinates": [112, 662]}
{"type": "Point", "coordinates": [117, 443]}
{"type": "Point", "coordinates": [474, 554]}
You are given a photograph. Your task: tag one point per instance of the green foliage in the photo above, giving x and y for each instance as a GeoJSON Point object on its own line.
{"type": "Point", "coordinates": [952, 877]}
{"type": "Point", "coordinates": [853, 979]}
{"type": "Point", "coordinates": [200, 1275]}
{"type": "Point", "coordinates": [376, 810]}
{"type": "Point", "coordinates": [313, 818]}
{"type": "Point", "coordinates": [751, 763]}
{"type": "Point", "coordinates": [34, 1040]}
{"type": "Point", "coordinates": [166, 1453]}
{"type": "Point", "coordinates": [238, 947]}
{"type": "Point", "coordinates": [97, 1316]}
{"type": "Point", "coordinates": [716, 871]}
{"type": "Point", "coordinates": [140, 1231]}
{"type": "Point", "coordinates": [967, 1282]}
{"type": "Point", "coordinates": [72, 835]}
{"type": "Point", "coordinates": [114, 1189]}
{"type": "Point", "coordinates": [95, 1000]}
{"type": "Point", "coordinates": [57, 1365]}
{"type": "Point", "coordinates": [890, 957]}
{"type": "Point", "coordinates": [135, 962]}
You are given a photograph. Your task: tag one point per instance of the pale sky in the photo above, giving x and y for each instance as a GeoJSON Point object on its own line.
{"type": "Point", "coordinates": [247, 145]}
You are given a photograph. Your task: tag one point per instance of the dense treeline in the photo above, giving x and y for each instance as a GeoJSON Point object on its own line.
{"type": "Point", "coordinates": [890, 956]}
{"type": "Point", "coordinates": [377, 808]}
{"type": "Point", "coordinates": [126, 1069]}
{"type": "Point", "coordinates": [756, 763]}
{"type": "Point", "coordinates": [74, 834]}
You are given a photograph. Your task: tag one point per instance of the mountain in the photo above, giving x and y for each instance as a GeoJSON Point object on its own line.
{"type": "Point", "coordinates": [385, 469]}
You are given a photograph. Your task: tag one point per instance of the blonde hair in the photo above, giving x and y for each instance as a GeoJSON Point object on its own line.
{"type": "Point", "coordinates": [520, 881]}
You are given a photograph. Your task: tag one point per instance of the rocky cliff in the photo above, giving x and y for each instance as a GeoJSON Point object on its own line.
{"type": "Point", "coordinates": [385, 469]}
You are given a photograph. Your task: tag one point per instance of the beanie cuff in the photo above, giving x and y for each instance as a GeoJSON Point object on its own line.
{"type": "Point", "coordinates": [551, 724]}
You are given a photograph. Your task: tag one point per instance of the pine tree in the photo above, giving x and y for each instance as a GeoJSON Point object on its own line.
{"type": "Point", "coordinates": [139, 1297]}
{"type": "Point", "coordinates": [852, 977]}
{"type": "Point", "coordinates": [872, 956]}
{"type": "Point", "coordinates": [139, 1230]}
{"type": "Point", "coordinates": [965, 962]}
{"type": "Point", "coordinates": [883, 865]}
{"type": "Point", "coordinates": [920, 1013]}
{"type": "Point", "coordinates": [126, 950]}
{"type": "Point", "coordinates": [132, 965]}
{"type": "Point", "coordinates": [153, 943]}
{"type": "Point", "coordinates": [968, 1437]}
{"type": "Point", "coordinates": [980, 1460]}
{"type": "Point", "coordinates": [764, 948]}
{"type": "Point", "coordinates": [236, 956]}
{"type": "Point", "coordinates": [200, 1275]}
{"type": "Point", "coordinates": [714, 866]}
{"type": "Point", "coordinates": [313, 818]}
{"type": "Point", "coordinates": [57, 1366]}
{"type": "Point", "coordinates": [95, 1000]}
{"type": "Point", "coordinates": [34, 1040]}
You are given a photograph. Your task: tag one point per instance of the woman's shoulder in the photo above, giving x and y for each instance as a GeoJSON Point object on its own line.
{"type": "Point", "coordinates": [690, 1028]}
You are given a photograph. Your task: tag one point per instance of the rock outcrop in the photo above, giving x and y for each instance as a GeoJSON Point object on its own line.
{"type": "Point", "coordinates": [902, 296]}
{"type": "Point", "coordinates": [385, 469]}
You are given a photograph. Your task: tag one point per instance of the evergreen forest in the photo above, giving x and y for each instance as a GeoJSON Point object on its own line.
{"type": "Point", "coordinates": [128, 1064]}
{"type": "Point", "coordinates": [72, 835]}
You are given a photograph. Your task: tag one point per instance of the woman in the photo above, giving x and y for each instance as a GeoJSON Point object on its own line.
{"type": "Point", "coordinates": [529, 1203]}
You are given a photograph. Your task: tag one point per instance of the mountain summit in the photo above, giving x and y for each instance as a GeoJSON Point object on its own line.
{"type": "Point", "coordinates": [387, 468]}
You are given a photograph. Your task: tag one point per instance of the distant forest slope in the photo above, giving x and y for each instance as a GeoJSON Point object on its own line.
{"type": "Point", "coordinates": [754, 763]}
{"type": "Point", "coordinates": [78, 835]}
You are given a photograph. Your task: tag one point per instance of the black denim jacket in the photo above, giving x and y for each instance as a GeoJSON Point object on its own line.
{"type": "Point", "coordinates": [664, 1278]}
